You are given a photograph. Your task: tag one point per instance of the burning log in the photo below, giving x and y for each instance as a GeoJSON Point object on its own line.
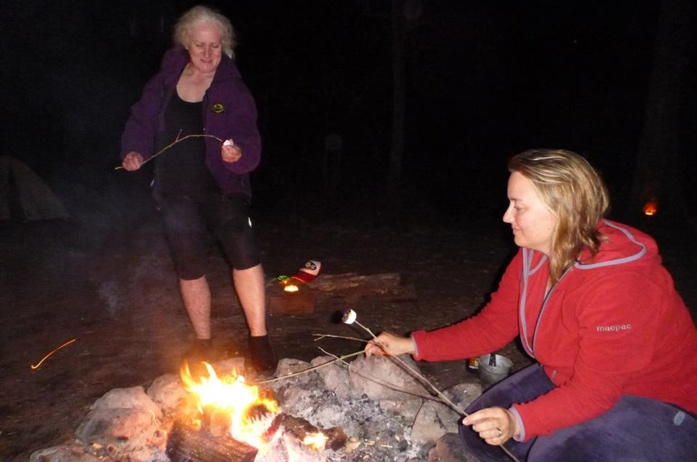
{"type": "Point", "coordinates": [333, 438]}
{"type": "Point", "coordinates": [191, 444]}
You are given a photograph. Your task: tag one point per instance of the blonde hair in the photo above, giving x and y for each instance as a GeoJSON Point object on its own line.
{"type": "Point", "coordinates": [200, 14]}
{"type": "Point", "coordinates": [575, 194]}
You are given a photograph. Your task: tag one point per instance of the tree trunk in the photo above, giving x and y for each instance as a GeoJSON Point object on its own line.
{"type": "Point", "coordinates": [657, 175]}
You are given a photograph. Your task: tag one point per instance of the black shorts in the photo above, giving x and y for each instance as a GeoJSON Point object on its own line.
{"type": "Point", "coordinates": [188, 224]}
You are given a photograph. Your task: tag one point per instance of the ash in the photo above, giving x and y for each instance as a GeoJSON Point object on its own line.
{"type": "Point", "coordinates": [386, 410]}
{"type": "Point", "coordinates": [376, 431]}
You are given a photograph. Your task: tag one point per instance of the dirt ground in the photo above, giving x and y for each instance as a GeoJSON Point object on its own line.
{"type": "Point", "coordinates": [115, 294]}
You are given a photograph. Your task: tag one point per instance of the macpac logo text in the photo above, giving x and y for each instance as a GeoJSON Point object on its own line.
{"type": "Point", "coordinates": [616, 328]}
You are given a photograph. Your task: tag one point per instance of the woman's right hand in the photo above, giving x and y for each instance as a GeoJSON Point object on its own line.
{"type": "Point", "coordinates": [132, 161]}
{"type": "Point", "coordinates": [390, 345]}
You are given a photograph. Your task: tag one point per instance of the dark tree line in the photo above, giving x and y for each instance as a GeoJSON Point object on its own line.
{"type": "Point", "coordinates": [386, 97]}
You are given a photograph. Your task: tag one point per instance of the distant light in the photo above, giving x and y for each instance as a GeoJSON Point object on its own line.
{"type": "Point", "coordinates": [650, 208]}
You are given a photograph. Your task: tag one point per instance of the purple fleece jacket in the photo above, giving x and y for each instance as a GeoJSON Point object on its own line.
{"type": "Point", "coordinates": [229, 112]}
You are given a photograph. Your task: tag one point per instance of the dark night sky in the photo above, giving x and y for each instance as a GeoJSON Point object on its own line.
{"type": "Point", "coordinates": [484, 80]}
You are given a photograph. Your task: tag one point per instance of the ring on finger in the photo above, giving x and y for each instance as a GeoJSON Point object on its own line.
{"type": "Point", "coordinates": [500, 432]}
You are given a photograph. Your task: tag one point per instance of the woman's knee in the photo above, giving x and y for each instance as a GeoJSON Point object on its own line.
{"type": "Point", "coordinates": [636, 429]}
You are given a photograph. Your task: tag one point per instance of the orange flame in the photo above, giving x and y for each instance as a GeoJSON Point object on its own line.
{"type": "Point", "coordinates": [250, 413]}
{"type": "Point", "coordinates": [291, 288]}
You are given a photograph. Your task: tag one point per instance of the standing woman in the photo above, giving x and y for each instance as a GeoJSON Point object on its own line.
{"type": "Point", "coordinates": [202, 183]}
{"type": "Point", "coordinates": [615, 348]}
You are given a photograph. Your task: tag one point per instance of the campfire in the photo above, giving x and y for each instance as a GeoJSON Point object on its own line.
{"type": "Point", "coordinates": [379, 408]}
{"type": "Point", "coordinates": [312, 412]}
{"type": "Point", "coordinates": [225, 418]}
{"type": "Point", "coordinates": [231, 406]}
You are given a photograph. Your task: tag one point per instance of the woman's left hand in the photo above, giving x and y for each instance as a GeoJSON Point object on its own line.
{"type": "Point", "coordinates": [495, 425]}
{"type": "Point", "coordinates": [230, 153]}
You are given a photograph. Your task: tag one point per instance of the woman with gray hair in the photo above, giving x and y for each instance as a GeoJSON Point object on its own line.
{"type": "Point", "coordinates": [198, 113]}
{"type": "Point", "coordinates": [593, 306]}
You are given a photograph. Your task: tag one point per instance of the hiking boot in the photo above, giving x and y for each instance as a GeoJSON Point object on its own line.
{"type": "Point", "coordinates": [262, 358]}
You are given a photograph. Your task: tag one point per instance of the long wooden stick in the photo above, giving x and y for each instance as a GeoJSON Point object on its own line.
{"type": "Point", "coordinates": [178, 140]}
{"type": "Point", "coordinates": [309, 369]}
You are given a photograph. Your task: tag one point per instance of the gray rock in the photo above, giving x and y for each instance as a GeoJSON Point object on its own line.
{"type": "Point", "coordinates": [63, 454]}
{"type": "Point", "coordinates": [167, 392]}
{"type": "Point", "coordinates": [127, 398]}
{"type": "Point", "coordinates": [335, 376]}
{"type": "Point", "coordinates": [428, 426]}
{"type": "Point", "coordinates": [384, 378]}
{"type": "Point", "coordinates": [126, 422]}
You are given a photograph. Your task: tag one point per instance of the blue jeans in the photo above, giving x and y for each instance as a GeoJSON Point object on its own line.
{"type": "Point", "coordinates": [635, 429]}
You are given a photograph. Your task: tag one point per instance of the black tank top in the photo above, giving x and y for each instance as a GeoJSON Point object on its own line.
{"type": "Point", "coordinates": [181, 169]}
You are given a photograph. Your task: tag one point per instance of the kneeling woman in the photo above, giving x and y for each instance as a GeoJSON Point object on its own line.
{"type": "Point", "coordinates": [615, 347]}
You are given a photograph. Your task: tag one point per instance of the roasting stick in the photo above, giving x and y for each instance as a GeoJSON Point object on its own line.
{"type": "Point", "coordinates": [375, 379]}
{"type": "Point", "coordinates": [332, 361]}
{"type": "Point", "coordinates": [178, 140]}
{"type": "Point", "coordinates": [350, 317]}
{"type": "Point", "coordinates": [341, 358]}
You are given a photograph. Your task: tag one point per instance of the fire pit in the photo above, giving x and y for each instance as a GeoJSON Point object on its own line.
{"type": "Point", "coordinates": [224, 418]}
{"type": "Point", "coordinates": [314, 412]}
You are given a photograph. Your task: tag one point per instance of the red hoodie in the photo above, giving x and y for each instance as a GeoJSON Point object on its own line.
{"type": "Point", "coordinates": [612, 326]}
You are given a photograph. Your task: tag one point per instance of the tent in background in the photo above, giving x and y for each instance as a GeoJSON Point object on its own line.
{"type": "Point", "coordinates": [24, 196]}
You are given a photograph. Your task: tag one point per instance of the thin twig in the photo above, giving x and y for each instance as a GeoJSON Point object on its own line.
{"type": "Point", "coordinates": [376, 380]}
{"type": "Point", "coordinates": [365, 329]}
{"type": "Point", "coordinates": [309, 369]}
{"type": "Point", "coordinates": [412, 370]}
{"type": "Point", "coordinates": [418, 374]}
{"type": "Point", "coordinates": [321, 336]}
{"type": "Point", "coordinates": [337, 358]}
{"type": "Point", "coordinates": [178, 140]}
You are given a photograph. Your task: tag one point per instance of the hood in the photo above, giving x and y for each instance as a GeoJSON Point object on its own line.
{"type": "Point", "coordinates": [622, 244]}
